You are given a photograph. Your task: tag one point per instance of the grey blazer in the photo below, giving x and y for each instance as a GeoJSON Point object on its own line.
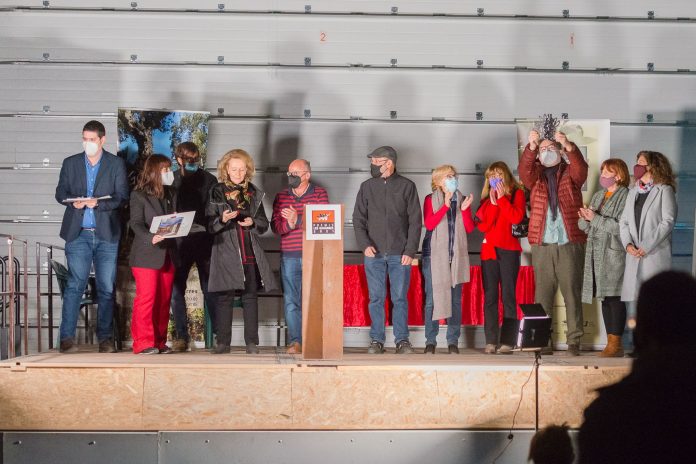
{"type": "Point", "coordinates": [653, 234]}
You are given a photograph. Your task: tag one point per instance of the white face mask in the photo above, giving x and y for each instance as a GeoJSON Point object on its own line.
{"type": "Point", "coordinates": [91, 148]}
{"type": "Point", "coordinates": [549, 158]}
{"type": "Point", "coordinates": [167, 178]}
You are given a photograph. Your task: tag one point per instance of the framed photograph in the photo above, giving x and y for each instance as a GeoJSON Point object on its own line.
{"type": "Point", "coordinates": [323, 222]}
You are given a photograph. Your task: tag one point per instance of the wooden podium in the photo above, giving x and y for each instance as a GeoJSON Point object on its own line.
{"type": "Point", "coordinates": [322, 282]}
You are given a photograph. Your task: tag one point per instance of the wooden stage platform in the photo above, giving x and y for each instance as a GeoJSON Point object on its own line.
{"type": "Point", "coordinates": [274, 391]}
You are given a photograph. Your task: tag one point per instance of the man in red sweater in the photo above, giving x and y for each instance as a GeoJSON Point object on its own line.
{"type": "Point", "coordinates": [554, 171]}
{"type": "Point", "coordinates": [288, 212]}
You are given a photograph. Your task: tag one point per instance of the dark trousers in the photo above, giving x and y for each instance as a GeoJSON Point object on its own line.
{"type": "Point", "coordinates": [250, 308]}
{"type": "Point", "coordinates": [614, 315]}
{"type": "Point", "coordinates": [198, 252]}
{"type": "Point", "coordinates": [502, 271]}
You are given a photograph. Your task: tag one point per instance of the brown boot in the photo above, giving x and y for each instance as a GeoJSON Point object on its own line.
{"type": "Point", "coordinates": [613, 348]}
{"type": "Point", "coordinates": [295, 348]}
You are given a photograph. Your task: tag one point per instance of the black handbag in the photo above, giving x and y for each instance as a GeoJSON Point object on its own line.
{"type": "Point", "coordinates": [521, 229]}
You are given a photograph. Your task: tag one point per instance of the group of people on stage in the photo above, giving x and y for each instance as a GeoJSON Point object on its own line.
{"type": "Point", "coordinates": [603, 250]}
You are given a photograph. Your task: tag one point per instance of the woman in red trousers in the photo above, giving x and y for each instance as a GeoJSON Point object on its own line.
{"type": "Point", "coordinates": [502, 205]}
{"type": "Point", "coordinates": [151, 256]}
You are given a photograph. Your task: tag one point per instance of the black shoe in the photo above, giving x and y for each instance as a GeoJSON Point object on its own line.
{"type": "Point", "coordinates": [376, 347]}
{"type": "Point", "coordinates": [252, 348]}
{"type": "Point", "coordinates": [107, 346]}
{"type": "Point", "coordinates": [151, 350]}
{"type": "Point", "coordinates": [67, 346]}
{"type": "Point", "coordinates": [452, 349]}
{"type": "Point", "coordinates": [166, 350]}
{"type": "Point", "coordinates": [429, 348]}
{"type": "Point", "coordinates": [220, 349]}
{"type": "Point", "coordinates": [404, 347]}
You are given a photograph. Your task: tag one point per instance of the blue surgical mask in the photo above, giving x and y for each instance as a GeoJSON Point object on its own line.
{"type": "Point", "coordinates": [494, 181]}
{"type": "Point", "coordinates": [451, 184]}
{"type": "Point", "coordinates": [191, 167]}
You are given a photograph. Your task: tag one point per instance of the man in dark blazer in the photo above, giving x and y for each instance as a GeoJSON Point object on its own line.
{"type": "Point", "coordinates": [91, 230]}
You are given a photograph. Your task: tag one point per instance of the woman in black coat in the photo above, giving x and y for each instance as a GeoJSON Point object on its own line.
{"type": "Point", "coordinates": [237, 218]}
{"type": "Point", "coordinates": [151, 256]}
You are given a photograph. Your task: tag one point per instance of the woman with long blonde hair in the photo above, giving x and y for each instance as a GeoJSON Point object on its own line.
{"type": "Point", "coordinates": [502, 206]}
{"type": "Point", "coordinates": [238, 264]}
{"type": "Point", "coordinates": [445, 257]}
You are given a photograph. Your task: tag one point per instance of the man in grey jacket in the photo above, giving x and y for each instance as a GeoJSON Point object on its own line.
{"type": "Point", "coordinates": [387, 221]}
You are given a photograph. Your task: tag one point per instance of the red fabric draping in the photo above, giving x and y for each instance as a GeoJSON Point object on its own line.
{"type": "Point", "coordinates": [356, 299]}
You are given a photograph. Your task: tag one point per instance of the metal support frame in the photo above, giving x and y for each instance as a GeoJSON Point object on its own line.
{"type": "Point", "coordinates": [14, 293]}
{"type": "Point", "coordinates": [50, 293]}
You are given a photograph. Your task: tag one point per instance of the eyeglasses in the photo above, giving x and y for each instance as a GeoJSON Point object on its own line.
{"type": "Point", "coordinates": [295, 173]}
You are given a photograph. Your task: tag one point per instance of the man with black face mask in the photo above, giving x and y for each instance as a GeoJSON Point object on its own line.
{"type": "Point", "coordinates": [555, 170]}
{"type": "Point", "coordinates": [192, 184]}
{"type": "Point", "coordinates": [387, 221]}
{"type": "Point", "coordinates": [286, 221]}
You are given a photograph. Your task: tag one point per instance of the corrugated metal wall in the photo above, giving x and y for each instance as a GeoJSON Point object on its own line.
{"type": "Point", "coordinates": [442, 81]}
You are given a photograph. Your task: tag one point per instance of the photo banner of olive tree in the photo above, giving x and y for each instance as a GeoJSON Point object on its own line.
{"type": "Point", "coordinates": [592, 139]}
{"type": "Point", "coordinates": [141, 133]}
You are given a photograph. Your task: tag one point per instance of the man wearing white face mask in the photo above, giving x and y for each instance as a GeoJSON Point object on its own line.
{"type": "Point", "coordinates": [91, 229]}
{"type": "Point", "coordinates": [555, 170]}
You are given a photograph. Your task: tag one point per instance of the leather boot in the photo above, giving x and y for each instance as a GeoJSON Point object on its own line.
{"type": "Point", "coordinates": [613, 348]}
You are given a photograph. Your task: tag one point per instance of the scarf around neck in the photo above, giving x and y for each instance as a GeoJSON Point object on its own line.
{"type": "Point", "coordinates": [644, 187]}
{"type": "Point", "coordinates": [552, 181]}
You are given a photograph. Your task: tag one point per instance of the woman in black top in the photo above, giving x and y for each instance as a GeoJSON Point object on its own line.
{"type": "Point", "coordinates": [151, 256]}
{"type": "Point", "coordinates": [237, 218]}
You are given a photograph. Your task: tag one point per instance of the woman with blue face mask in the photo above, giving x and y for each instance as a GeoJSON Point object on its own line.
{"type": "Point", "coordinates": [502, 205]}
{"type": "Point", "coordinates": [445, 256]}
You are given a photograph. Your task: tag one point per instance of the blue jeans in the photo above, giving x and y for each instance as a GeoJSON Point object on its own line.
{"type": "Point", "coordinates": [454, 323]}
{"type": "Point", "coordinates": [81, 253]}
{"type": "Point", "coordinates": [376, 270]}
{"type": "Point", "coordinates": [291, 275]}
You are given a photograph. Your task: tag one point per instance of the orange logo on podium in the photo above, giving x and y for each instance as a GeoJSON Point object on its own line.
{"type": "Point", "coordinates": [323, 222]}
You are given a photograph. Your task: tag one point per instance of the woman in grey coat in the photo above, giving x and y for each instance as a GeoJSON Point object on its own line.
{"type": "Point", "coordinates": [236, 218]}
{"type": "Point", "coordinates": [604, 254]}
{"type": "Point", "coordinates": [647, 221]}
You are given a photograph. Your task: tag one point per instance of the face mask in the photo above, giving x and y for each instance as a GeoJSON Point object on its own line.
{"type": "Point", "coordinates": [606, 182]}
{"type": "Point", "coordinates": [294, 181]}
{"type": "Point", "coordinates": [191, 167]}
{"type": "Point", "coordinates": [375, 170]}
{"type": "Point", "coordinates": [91, 148]}
{"type": "Point", "coordinates": [549, 158]}
{"type": "Point", "coordinates": [494, 181]}
{"type": "Point", "coordinates": [639, 171]}
{"type": "Point", "coordinates": [167, 178]}
{"type": "Point", "coordinates": [451, 184]}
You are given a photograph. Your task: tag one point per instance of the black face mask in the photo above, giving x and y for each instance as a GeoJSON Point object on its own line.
{"type": "Point", "coordinates": [375, 170]}
{"type": "Point", "coordinates": [294, 181]}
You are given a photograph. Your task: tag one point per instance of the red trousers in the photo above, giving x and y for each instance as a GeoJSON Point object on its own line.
{"type": "Point", "coordinates": [153, 294]}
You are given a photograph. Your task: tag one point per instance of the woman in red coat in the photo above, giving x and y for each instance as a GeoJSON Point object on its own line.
{"type": "Point", "coordinates": [502, 205]}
